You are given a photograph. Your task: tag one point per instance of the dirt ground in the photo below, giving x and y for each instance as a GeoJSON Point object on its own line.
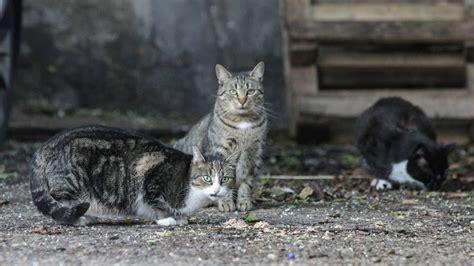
{"type": "Point", "coordinates": [332, 219]}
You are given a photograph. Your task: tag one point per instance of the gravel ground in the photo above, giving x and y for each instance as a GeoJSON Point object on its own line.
{"type": "Point", "coordinates": [302, 222]}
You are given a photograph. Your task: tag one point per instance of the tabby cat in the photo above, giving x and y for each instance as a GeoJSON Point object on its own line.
{"type": "Point", "coordinates": [398, 144]}
{"type": "Point", "coordinates": [237, 124]}
{"type": "Point", "coordinates": [85, 175]}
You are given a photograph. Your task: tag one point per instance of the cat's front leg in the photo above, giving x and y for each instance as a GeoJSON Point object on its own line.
{"type": "Point", "coordinates": [226, 204]}
{"type": "Point", "coordinates": [247, 170]}
{"type": "Point", "coordinates": [244, 197]}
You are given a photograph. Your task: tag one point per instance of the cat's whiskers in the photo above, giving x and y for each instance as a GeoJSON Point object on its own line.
{"type": "Point", "coordinates": [267, 111]}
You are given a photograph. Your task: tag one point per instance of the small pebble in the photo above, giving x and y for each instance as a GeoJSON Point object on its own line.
{"type": "Point", "coordinates": [376, 259]}
{"type": "Point", "coordinates": [291, 256]}
{"type": "Point", "coordinates": [271, 256]}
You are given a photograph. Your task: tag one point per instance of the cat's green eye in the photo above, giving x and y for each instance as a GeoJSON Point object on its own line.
{"type": "Point", "coordinates": [233, 92]}
{"type": "Point", "coordinates": [225, 179]}
{"type": "Point", "coordinates": [206, 178]}
{"type": "Point", "coordinates": [251, 92]}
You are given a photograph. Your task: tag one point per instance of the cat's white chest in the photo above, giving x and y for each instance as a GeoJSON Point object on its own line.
{"type": "Point", "coordinates": [195, 200]}
{"type": "Point", "coordinates": [244, 125]}
{"type": "Point", "coordinates": [400, 175]}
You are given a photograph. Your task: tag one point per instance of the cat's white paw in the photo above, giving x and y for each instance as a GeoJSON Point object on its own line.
{"type": "Point", "coordinates": [244, 204]}
{"type": "Point", "coordinates": [82, 221]}
{"type": "Point", "coordinates": [226, 205]}
{"type": "Point", "coordinates": [380, 184]}
{"type": "Point", "coordinates": [170, 221]}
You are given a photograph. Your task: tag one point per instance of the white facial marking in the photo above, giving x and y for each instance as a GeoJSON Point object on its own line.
{"type": "Point", "coordinates": [244, 125]}
{"type": "Point", "coordinates": [400, 175]}
{"type": "Point", "coordinates": [196, 199]}
{"type": "Point", "coordinates": [215, 184]}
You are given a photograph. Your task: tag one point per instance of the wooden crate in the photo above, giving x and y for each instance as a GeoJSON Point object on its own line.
{"type": "Point", "coordinates": [340, 56]}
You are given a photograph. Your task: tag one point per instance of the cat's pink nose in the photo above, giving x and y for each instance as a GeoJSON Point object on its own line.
{"type": "Point", "coordinates": [242, 99]}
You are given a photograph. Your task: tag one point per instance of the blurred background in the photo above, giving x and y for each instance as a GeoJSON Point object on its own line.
{"type": "Point", "coordinates": [139, 61]}
{"type": "Point", "coordinates": [149, 64]}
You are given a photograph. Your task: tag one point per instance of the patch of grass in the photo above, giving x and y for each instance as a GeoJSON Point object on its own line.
{"type": "Point", "coordinates": [251, 218]}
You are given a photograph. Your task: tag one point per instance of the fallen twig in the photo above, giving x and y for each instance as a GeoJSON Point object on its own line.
{"type": "Point", "coordinates": [309, 177]}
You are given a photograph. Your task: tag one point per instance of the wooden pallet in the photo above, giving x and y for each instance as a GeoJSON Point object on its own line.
{"type": "Point", "coordinates": [340, 56]}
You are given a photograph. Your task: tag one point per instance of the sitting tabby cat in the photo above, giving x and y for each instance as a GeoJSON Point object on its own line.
{"type": "Point", "coordinates": [238, 124]}
{"type": "Point", "coordinates": [398, 144]}
{"type": "Point", "coordinates": [88, 174]}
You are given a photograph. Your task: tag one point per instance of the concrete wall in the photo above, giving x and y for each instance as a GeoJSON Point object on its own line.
{"type": "Point", "coordinates": [152, 56]}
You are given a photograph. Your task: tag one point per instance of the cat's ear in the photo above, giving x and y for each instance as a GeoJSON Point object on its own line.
{"type": "Point", "coordinates": [197, 155]}
{"type": "Point", "coordinates": [449, 148]}
{"type": "Point", "coordinates": [258, 71]}
{"type": "Point", "coordinates": [222, 74]}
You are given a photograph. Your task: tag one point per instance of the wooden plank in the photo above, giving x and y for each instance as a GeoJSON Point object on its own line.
{"type": "Point", "coordinates": [304, 80]}
{"type": "Point", "coordinates": [293, 10]}
{"type": "Point", "coordinates": [430, 2]}
{"type": "Point", "coordinates": [374, 77]}
{"type": "Point", "coordinates": [355, 59]}
{"type": "Point", "coordinates": [309, 177]}
{"type": "Point", "coordinates": [387, 12]}
{"type": "Point", "coordinates": [469, 9]}
{"type": "Point", "coordinates": [449, 104]}
{"type": "Point", "coordinates": [288, 11]}
{"type": "Point", "coordinates": [303, 54]}
{"type": "Point", "coordinates": [470, 77]}
{"type": "Point", "coordinates": [385, 31]}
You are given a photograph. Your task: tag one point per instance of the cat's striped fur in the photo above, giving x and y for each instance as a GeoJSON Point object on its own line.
{"type": "Point", "coordinates": [82, 174]}
{"type": "Point", "coordinates": [237, 124]}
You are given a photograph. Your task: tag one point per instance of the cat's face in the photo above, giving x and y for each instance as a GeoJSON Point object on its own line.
{"type": "Point", "coordinates": [429, 164]}
{"type": "Point", "coordinates": [240, 93]}
{"type": "Point", "coordinates": [214, 177]}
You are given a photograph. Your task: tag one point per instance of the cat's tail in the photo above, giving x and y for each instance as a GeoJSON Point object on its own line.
{"type": "Point", "coordinates": [47, 205]}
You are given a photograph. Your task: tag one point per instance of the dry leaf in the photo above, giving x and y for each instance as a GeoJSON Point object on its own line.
{"type": "Point", "coordinates": [455, 166]}
{"type": "Point", "coordinates": [3, 201]}
{"type": "Point", "coordinates": [409, 201]}
{"type": "Point", "coordinates": [40, 229]}
{"type": "Point", "coordinates": [165, 233]}
{"type": "Point", "coordinates": [379, 224]}
{"type": "Point", "coordinates": [467, 179]}
{"type": "Point", "coordinates": [261, 225]}
{"type": "Point", "coordinates": [43, 230]}
{"type": "Point", "coordinates": [305, 192]}
{"type": "Point", "coordinates": [452, 195]}
{"type": "Point", "coordinates": [235, 224]}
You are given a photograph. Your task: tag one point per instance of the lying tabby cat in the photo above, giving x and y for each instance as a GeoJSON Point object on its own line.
{"type": "Point", "coordinates": [88, 174]}
{"type": "Point", "coordinates": [238, 124]}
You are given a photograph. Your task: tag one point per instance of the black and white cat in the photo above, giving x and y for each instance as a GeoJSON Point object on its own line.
{"type": "Point", "coordinates": [398, 144]}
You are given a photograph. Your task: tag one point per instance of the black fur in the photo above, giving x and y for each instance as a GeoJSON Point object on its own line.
{"type": "Point", "coordinates": [394, 130]}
